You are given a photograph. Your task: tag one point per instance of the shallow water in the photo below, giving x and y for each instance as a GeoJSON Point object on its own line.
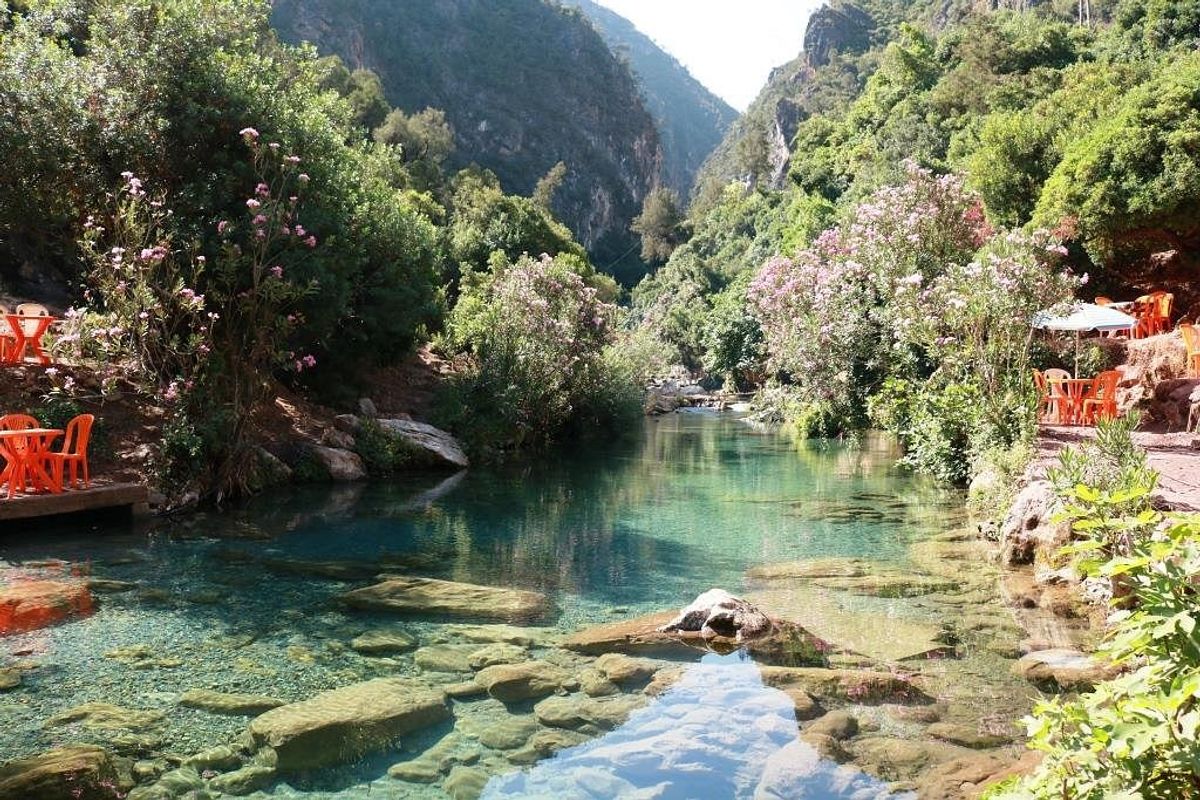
{"type": "Point", "coordinates": [229, 602]}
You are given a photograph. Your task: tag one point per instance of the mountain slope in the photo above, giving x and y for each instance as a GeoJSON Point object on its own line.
{"type": "Point", "coordinates": [691, 120]}
{"type": "Point", "coordinates": [525, 84]}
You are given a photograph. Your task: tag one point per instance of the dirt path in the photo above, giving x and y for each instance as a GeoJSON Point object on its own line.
{"type": "Point", "coordinates": [1176, 457]}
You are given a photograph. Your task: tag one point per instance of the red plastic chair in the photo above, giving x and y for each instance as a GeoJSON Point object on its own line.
{"type": "Point", "coordinates": [74, 451]}
{"type": "Point", "coordinates": [1045, 401]}
{"type": "Point", "coordinates": [1103, 402]}
{"type": "Point", "coordinates": [1191, 340]}
{"type": "Point", "coordinates": [16, 452]}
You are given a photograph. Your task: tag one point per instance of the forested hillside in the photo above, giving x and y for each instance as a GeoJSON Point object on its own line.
{"type": "Point", "coordinates": [524, 85]}
{"type": "Point", "coordinates": [691, 120]}
{"type": "Point", "coordinates": [919, 157]}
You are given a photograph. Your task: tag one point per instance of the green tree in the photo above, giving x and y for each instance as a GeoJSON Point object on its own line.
{"type": "Point", "coordinates": [660, 225]}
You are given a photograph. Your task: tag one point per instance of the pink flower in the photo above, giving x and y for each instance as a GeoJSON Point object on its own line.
{"type": "Point", "coordinates": [303, 177]}
{"type": "Point", "coordinates": [309, 362]}
{"type": "Point", "coordinates": [311, 241]}
{"type": "Point", "coordinates": [277, 271]}
{"type": "Point", "coordinates": [253, 204]}
{"type": "Point", "coordinates": [274, 145]}
{"type": "Point", "coordinates": [248, 133]}
{"type": "Point", "coordinates": [293, 160]}
{"type": "Point", "coordinates": [299, 231]}
{"type": "Point", "coordinates": [222, 226]}
{"type": "Point", "coordinates": [260, 219]}
{"type": "Point", "coordinates": [262, 190]}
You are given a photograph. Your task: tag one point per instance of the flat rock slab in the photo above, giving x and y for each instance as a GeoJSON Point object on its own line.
{"type": "Point", "coordinates": [448, 598]}
{"type": "Point", "coordinates": [31, 605]}
{"type": "Point", "coordinates": [344, 724]}
{"type": "Point", "coordinates": [788, 644]}
{"type": "Point", "coordinates": [238, 705]}
{"type": "Point", "coordinates": [851, 685]}
{"type": "Point", "coordinates": [525, 681]}
{"type": "Point", "coordinates": [813, 568]}
{"type": "Point", "coordinates": [878, 636]}
{"type": "Point", "coordinates": [1068, 670]}
{"type": "Point", "coordinates": [82, 772]}
{"type": "Point", "coordinates": [440, 446]}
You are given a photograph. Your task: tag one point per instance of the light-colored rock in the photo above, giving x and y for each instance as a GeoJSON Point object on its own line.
{"type": "Point", "coordinates": [525, 681]}
{"type": "Point", "coordinates": [510, 733]}
{"type": "Point", "coordinates": [857, 686]}
{"type": "Point", "coordinates": [338, 439]}
{"type": "Point", "coordinates": [966, 736]}
{"type": "Point", "coordinates": [105, 716]}
{"type": "Point", "coordinates": [440, 446]}
{"type": "Point", "coordinates": [546, 743]}
{"type": "Point", "coordinates": [344, 724]}
{"type": "Point", "coordinates": [1059, 668]}
{"type": "Point", "coordinates": [505, 634]}
{"type": "Point", "coordinates": [383, 643]}
{"type": "Point", "coordinates": [1029, 526]}
{"type": "Point", "coordinates": [897, 759]}
{"type": "Point", "coordinates": [592, 715]}
{"type": "Point", "coordinates": [498, 653]}
{"type": "Point", "coordinates": [427, 596]}
{"type": "Point", "coordinates": [445, 657]}
{"type": "Point", "coordinates": [243, 781]}
{"type": "Point", "coordinates": [812, 568]}
{"type": "Point", "coordinates": [718, 613]}
{"type": "Point", "coordinates": [367, 408]}
{"type": "Point", "coordinates": [465, 783]}
{"type": "Point", "coordinates": [840, 725]}
{"type": "Point", "coordinates": [30, 605]}
{"type": "Point", "coordinates": [343, 466]}
{"type": "Point", "coordinates": [594, 684]}
{"type": "Point", "coordinates": [221, 758]}
{"type": "Point", "coordinates": [81, 772]}
{"type": "Point", "coordinates": [10, 678]}
{"type": "Point", "coordinates": [622, 669]}
{"type": "Point", "coordinates": [247, 705]}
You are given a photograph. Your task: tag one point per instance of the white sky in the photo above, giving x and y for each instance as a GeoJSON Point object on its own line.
{"type": "Point", "coordinates": [730, 46]}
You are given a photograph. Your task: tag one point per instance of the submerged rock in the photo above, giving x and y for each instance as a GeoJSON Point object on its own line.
{"type": "Point", "coordinates": [383, 643]}
{"type": "Point", "coordinates": [622, 669]}
{"type": "Point", "coordinates": [856, 686]}
{"type": "Point", "coordinates": [525, 681]}
{"type": "Point", "coordinates": [428, 596]}
{"type": "Point", "coordinates": [445, 657]}
{"type": "Point", "coordinates": [590, 715]}
{"type": "Point", "coordinates": [439, 446]}
{"type": "Point", "coordinates": [1068, 670]}
{"type": "Point", "coordinates": [30, 605]}
{"type": "Point", "coordinates": [814, 568]}
{"type": "Point", "coordinates": [889, 585]}
{"type": "Point", "coordinates": [10, 678]}
{"type": "Point", "coordinates": [248, 705]}
{"type": "Point", "coordinates": [243, 781]}
{"type": "Point", "coordinates": [494, 654]}
{"type": "Point", "coordinates": [81, 772]}
{"type": "Point", "coordinates": [966, 736]}
{"type": "Point", "coordinates": [898, 759]}
{"type": "Point", "coordinates": [105, 716]}
{"type": "Point", "coordinates": [344, 724]}
{"type": "Point", "coordinates": [510, 733]}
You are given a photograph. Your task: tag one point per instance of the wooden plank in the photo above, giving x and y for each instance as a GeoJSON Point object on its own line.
{"type": "Point", "coordinates": [97, 498]}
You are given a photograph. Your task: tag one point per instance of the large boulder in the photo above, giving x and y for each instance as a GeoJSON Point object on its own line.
{"type": "Point", "coordinates": [440, 447]}
{"type": "Point", "coordinates": [30, 605]}
{"type": "Point", "coordinates": [718, 613]}
{"type": "Point", "coordinates": [341, 465]}
{"type": "Point", "coordinates": [344, 724]}
{"type": "Point", "coordinates": [590, 715]}
{"type": "Point", "coordinates": [785, 644]}
{"type": "Point", "coordinates": [1029, 528]}
{"type": "Point", "coordinates": [435, 597]}
{"type": "Point", "coordinates": [81, 772]}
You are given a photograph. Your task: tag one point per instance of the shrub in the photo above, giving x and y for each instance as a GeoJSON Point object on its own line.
{"type": "Point", "coordinates": [382, 452]}
{"type": "Point", "coordinates": [534, 334]}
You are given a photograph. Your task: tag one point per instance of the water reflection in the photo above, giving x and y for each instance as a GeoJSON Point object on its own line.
{"type": "Point", "coordinates": [718, 732]}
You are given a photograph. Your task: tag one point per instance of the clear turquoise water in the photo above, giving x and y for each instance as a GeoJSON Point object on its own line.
{"type": "Point", "coordinates": [609, 530]}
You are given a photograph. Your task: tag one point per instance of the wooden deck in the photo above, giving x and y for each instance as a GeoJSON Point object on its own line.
{"type": "Point", "coordinates": [129, 496]}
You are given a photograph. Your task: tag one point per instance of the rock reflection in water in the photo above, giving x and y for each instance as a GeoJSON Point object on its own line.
{"type": "Point", "coordinates": [718, 732]}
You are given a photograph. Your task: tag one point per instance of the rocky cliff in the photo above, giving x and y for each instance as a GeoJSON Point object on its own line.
{"type": "Point", "coordinates": [691, 120]}
{"type": "Point", "coordinates": [524, 83]}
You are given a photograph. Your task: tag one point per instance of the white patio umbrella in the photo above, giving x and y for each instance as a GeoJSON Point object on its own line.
{"type": "Point", "coordinates": [1084, 317]}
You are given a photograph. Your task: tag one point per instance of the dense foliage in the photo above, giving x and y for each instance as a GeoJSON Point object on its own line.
{"type": "Point", "coordinates": [1133, 736]}
{"type": "Point", "coordinates": [535, 332]}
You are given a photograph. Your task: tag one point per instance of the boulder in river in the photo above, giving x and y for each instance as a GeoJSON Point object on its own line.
{"type": "Point", "coordinates": [441, 448]}
{"type": "Point", "coordinates": [850, 685]}
{"type": "Point", "coordinates": [428, 596]}
{"type": "Point", "coordinates": [718, 613]}
{"type": "Point", "coordinates": [30, 605]}
{"type": "Point", "coordinates": [344, 724]}
{"type": "Point", "coordinates": [83, 772]}
{"type": "Point", "coordinates": [341, 465]}
{"type": "Point", "coordinates": [590, 715]}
